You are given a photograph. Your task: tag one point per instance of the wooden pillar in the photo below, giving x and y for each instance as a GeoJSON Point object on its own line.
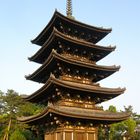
{"type": "Point", "coordinates": [56, 136]}
{"type": "Point", "coordinates": [95, 137]}
{"type": "Point", "coordinates": [86, 136]}
{"type": "Point", "coordinates": [72, 136]}
{"type": "Point", "coordinates": [63, 135]}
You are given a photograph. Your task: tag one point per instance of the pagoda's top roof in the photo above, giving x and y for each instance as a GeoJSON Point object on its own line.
{"type": "Point", "coordinates": [71, 41]}
{"type": "Point", "coordinates": [58, 18]}
{"type": "Point", "coordinates": [66, 59]}
{"type": "Point", "coordinates": [106, 93]}
{"type": "Point", "coordinates": [74, 112]}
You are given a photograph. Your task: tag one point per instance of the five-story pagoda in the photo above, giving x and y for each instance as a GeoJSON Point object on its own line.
{"type": "Point", "coordinates": [70, 75]}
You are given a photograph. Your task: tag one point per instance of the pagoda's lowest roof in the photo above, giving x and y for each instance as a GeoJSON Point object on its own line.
{"type": "Point", "coordinates": [97, 32]}
{"type": "Point", "coordinates": [73, 43]}
{"type": "Point", "coordinates": [74, 112]}
{"type": "Point", "coordinates": [47, 66]}
{"type": "Point", "coordinates": [43, 93]}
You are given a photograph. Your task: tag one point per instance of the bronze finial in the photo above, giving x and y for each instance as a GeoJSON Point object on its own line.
{"type": "Point", "coordinates": [69, 8]}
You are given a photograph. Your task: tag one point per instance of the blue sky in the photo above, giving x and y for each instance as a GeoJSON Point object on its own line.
{"type": "Point", "coordinates": [22, 21]}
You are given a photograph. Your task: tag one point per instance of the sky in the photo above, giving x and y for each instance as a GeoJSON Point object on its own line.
{"type": "Point", "coordinates": [22, 21]}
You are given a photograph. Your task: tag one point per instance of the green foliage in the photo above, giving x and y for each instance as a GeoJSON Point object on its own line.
{"type": "Point", "coordinates": [11, 106]}
{"type": "Point", "coordinates": [128, 109]}
{"type": "Point", "coordinates": [116, 131]}
{"type": "Point", "coordinates": [130, 126]}
{"type": "Point", "coordinates": [29, 135]}
{"type": "Point", "coordinates": [17, 135]}
{"type": "Point", "coordinates": [101, 133]}
{"type": "Point", "coordinates": [112, 108]}
{"type": "Point", "coordinates": [137, 118]}
{"type": "Point", "coordinates": [28, 109]}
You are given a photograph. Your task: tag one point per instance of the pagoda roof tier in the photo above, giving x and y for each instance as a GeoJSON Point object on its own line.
{"type": "Point", "coordinates": [57, 39]}
{"type": "Point", "coordinates": [73, 27]}
{"type": "Point", "coordinates": [92, 89]}
{"type": "Point", "coordinates": [74, 112]}
{"type": "Point", "coordinates": [42, 73]}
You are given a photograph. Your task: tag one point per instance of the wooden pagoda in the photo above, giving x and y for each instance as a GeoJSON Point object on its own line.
{"type": "Point", "coordinates": [71, 92]}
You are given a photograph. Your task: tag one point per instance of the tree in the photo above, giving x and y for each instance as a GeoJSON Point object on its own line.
{"type": "Point", "coordinates": [130, 125]}
{"type": "Point", "coordinates": [112, 108]}
{"type": "Point", "coordinates": [11, 106]}
{"type": "Point", "coordinates": [10, 101]}
{"type": "Point", "coordinates": [17, 135]}
{"type": "Point", "coordinates": [117, 129]}
{"type": "Point", "coordinates": [1, 102]}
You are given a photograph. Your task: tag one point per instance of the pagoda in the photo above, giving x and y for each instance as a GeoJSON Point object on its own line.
{"type": "Point", "coordinates": [71, 90]}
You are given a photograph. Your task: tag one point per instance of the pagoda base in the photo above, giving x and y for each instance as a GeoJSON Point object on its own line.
{"type": "Point", "coordinates": [72, 134]}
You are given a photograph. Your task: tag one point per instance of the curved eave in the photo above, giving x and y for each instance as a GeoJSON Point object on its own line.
{"type": "Point", "coordinates": [73, 112]}
{"type": "Point", "coordinates": [70, 21]}
{"type": "Point", "coordinates": [55, 56]}
{"type": "Point", "coordinates": [56, 34]}
{"type": "Point", "coordinates": [43, 91]}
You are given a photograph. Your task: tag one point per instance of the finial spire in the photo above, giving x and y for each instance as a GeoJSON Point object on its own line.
{"type": "Point", "coordinates": [69, 8]}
